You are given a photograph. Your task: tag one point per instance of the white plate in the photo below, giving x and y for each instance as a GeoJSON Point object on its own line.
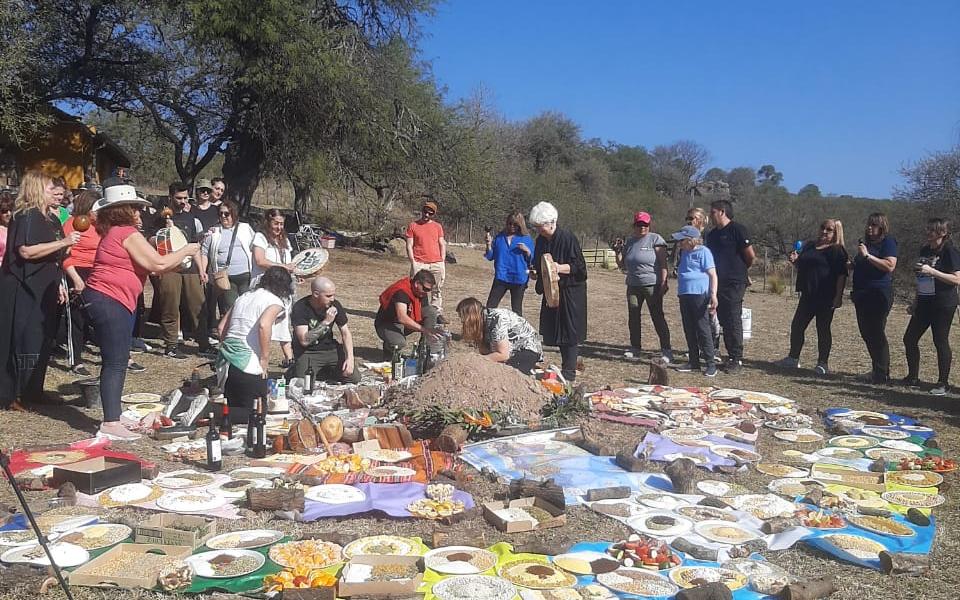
{"type": "Point", "coordinates": [703, 528]}
{"type": "Point", "coordinates": [681, 524]}
{"type": "Point", "coordinates": [474, 587]}
{"type": "Point", "coordinates": [389, 456]}
{"type": "Point", "coordinates": [184, 502]}
{"type": "Point", "coordinates": [854, 442]}
{"type": "Point", "coordinates": [171, 481]}
{"type": "Point", "coordinates": [234, 540]}
{"type": "Point", "coordinates": [889, 454]}
{"type": "Point", "coordinates": [737, 455]}
{"type": "Point", "coordinates": [10, 537]}
{"type": "Point", "coordinates": [390, 471]}
{"type": "Point", "coordinates": [146, 408]}
{"type": "Point", "coordinates": [885, 433]}
{"type": "Point", "coordinates": [840, 453]}
{"type": "Point", "coordinates": [763, 506]}
{"type": "Point", "coordinates": [335, 493]}
{"type": "Point", "coordinates": [712, 487]}
{"type": "Point", "coordinates": [141, 398]}
{"type": "Point", "coordinates": [117, 528]}
{"type": "Point", "coordinates": [360, 547]}
{"type": "Point", "coordinates": [256, 473]}
{"type": "Point", "coordinates": [65, 555]}
{"type": "Point", "coordinates": [233, 494]}
{"type": "Point", "coordinates": [901, 445]}
{"type": "Point", "coordinates": [433, 561]}
{"type": "Point", "coordinates": [684, 433]}
{"type": "Point", "coordinates": [916, 428]}
{"type": "Point", "coordinates": [70, 523]}
{"type": "Point", "coordinates": [791, 436]}
{"type": "Point", "coordinates": [621, 578]}
{"type": "Point", "coordinates": [660, 501]}
{"type": "Point", "coordinates": [201, 565]}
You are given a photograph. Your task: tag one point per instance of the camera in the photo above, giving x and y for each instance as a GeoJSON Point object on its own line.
{"type": "Point", "coordinates": [924, 260]}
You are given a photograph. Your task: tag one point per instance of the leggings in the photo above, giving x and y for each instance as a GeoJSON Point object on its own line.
{"type": "Point", "coordinates": [499, 289]}
{"type": "Point", "coordinates": [806, 312]}
{"type": "Point", "coordinates": [873, 305]}
{"type": "Point", "coordinates": [927, 315]}
{"type": "Point", "coordinates": [636, 296]}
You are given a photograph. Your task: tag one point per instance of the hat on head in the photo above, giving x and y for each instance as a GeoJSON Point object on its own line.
{"type": "Point", "coordinates": [641, 217]}
{"type": "Point", "coordinates": [203, 184]}
{"type": "Point", "coordinates": [118, 194]}
{"type": "Point", "coordinates": [687, 232]}
{"type": "Point", "coordinates": [431, 205]}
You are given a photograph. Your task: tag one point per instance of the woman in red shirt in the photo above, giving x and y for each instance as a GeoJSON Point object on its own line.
{"type": "Point", "coordinates": [77, 266]}
{"type": "Point", "coordinates": [122, 262]}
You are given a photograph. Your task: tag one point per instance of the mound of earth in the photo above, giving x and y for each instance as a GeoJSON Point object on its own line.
{"type": "Point", "coordinates": [468, 381]}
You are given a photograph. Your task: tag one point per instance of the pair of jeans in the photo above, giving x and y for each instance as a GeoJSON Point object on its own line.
{"type": "Point", "coordinates": [636, 296]}
{"type": "Point", "coordinates": [696, 318]}
{"type": "Point", "coordinates": [807, 310]}
{"type": "Point", "coordinates": [113, 323]}
{"type": "Point", "coordinates": [872, 306]}
{"type": "Point", "coordinates": [326, 363]}
{"type": "Point", "coordinates": [439, 270]}
{"type": "Point", "coordinates": [500, 288]}
{"type": "Point", "coordinates": [729, 312]}
{"type": "Point", "coordinates": [927, 315]}
{"type": "Point", "coordinates": [394, 335]}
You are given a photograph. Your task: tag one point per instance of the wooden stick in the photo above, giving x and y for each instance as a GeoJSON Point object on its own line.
{"type": "Point", "coordinates": [681, 473]}
{"type": "Point", "coordinates": [812, 589]}
{"type": "Point", "coordinates": [628, 462]}
{"type": "Point", "coordinates": [326, 442]}
{"type": "Point", "coordinates": [695, 550]}
{"type": "Point", "coordinates": [779, 524]}
{"type": "Point", "coordinates": [714, 590]}
{"type": "Point", "coordinates": [897, 563]}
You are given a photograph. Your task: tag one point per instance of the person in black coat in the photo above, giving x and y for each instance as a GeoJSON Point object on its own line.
{"type": "Point", "coordinates": [566, 325]}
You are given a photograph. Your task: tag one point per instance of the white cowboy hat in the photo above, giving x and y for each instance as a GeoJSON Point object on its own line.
{"type": "Point", "coordinates": [119, 194]}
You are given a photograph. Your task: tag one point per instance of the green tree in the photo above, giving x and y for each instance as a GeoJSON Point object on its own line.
{"type": "Point", "coordinates": [768, 175]}
{"type": "Point", "coordinates": [742, 182]}
{"type": "Point", "coordinates": [809, 191]}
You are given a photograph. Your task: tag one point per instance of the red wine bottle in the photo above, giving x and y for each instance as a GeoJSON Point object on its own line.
{"type": "Point", "coordinates": [214, 452]}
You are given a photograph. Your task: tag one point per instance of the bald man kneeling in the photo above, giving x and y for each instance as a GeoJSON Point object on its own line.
{"type": "Point", "coordinates": [313, 318]}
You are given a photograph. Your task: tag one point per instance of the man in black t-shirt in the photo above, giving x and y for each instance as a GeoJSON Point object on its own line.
{"type": "Point", "coordinates": [733, 254]}
{"type": "Point", "coordinates": [313, 318]}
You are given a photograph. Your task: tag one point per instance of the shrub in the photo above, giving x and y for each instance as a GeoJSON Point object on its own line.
{"type": "Point", "coordinates": [777, 284]}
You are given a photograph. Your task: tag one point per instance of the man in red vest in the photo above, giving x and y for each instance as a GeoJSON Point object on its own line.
{"type": "Point", "coordinates": [403, 311]}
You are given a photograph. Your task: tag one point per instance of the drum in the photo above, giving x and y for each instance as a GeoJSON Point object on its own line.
{"type": "Point", "coordinates": [551, 280]}
{"type": "Point", "coordinates": [309, 261]}
{"type": "Point", "coordinates": [171, 239]}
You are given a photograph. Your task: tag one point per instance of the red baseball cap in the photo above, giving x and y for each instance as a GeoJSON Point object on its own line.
{"type": "Point", "coordinates": [641, 217]}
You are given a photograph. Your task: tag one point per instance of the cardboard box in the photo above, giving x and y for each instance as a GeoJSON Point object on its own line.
{"type": "Point", "coordinates": [558, 514]}
{"type": "Point", "coordinates": [159, 529]}
{"type": "Point", "coordinates": [94, 475]}
{"type": "Point", "coordinates": [379, 588]}
{"type": "Point", "coordinates": [85, 575]}
{"type": "Point", "coordinates": [834, 474]}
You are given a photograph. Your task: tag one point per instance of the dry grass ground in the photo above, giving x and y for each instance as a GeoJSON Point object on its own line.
{"type": "Point", "coordinates": [360, 277]}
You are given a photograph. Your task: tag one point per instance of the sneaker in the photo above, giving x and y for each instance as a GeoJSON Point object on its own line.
{"type": "Point", "coordinates": [666, 357]}
{"type": "Point", "coordinates": [174, 352]}
{"type": "Point", "coordinates": [136, 368]}
{"type": "Point", "coordinates": [632, 353]}
{"type": "Point", "coordinates": [820, 369]}
{"type": "Point", "coordinates": [80, 370]}
{"type": "Point", "coordinates": [939, 390]}
{"type": "Point", "coordinates": [734, 367]}
{"type": "Point", "coordinates": [788, 363]}
{"type": "Point", "coordinates": [116, 432]}
{"type": "Point", "coordinates": [711, 371]}
{"type": "Point", "coordinates": [687, 368]}
{"type": "Point", "coordinates": [909, 382]}
{"type": "Point", "coordinates": [137, 345]}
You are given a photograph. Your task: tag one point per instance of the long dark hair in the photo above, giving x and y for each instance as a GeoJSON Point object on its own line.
{"type": "Point", "coordinates": [877, 219]}
{"type": "Point", "coordinates": [515, 218]}
{"type": "Point", "coordinates": [278, 282]}
{"type": "Point", "coordinates": [269, 215]}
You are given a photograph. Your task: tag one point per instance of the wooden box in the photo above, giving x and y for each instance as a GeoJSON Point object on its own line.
{"type": "Point", "coordinates": [159, 529]}
{"type": "Point", "coordinates": [85, 575]}
{"type": "Point", "coordinates": [379, 588]}
{"type": "Point", "coordinates": [558, 515]}
{"type": "Point", "coordinates": [94, 475]}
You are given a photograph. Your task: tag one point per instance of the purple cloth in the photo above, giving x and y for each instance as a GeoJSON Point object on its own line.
{"type": "Point", "coordinates": [391, 498]}
{"type": "Point", "coordinates": [663, 446]}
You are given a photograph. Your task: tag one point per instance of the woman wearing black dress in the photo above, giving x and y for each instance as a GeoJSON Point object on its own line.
{"type": "Point", "coordinates": [30, 290]}
{"type": "Point", "coordinates": [566, 325]}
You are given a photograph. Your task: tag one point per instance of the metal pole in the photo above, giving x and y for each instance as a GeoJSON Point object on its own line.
{"type": "Point", "coordinates": [765, 260]}
{"type": "Point", "coordinates": [71, 355]}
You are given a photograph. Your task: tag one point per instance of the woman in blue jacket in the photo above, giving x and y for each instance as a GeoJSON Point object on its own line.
{"type": "Point", "coordinates": [510, 252]}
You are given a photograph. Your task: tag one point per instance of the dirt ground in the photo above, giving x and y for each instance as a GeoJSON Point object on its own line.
{"type": "Point", "coordinates": [360, 277]}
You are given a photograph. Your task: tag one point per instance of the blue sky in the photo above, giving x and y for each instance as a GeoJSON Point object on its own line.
{"type": "Point", "coordinates": [839, 93]}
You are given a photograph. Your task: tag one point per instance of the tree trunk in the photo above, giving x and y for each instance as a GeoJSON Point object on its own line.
{"type": "Point", "coordinates": [242, 168]}
{"type": "Point", "coordinates": [302, 198]}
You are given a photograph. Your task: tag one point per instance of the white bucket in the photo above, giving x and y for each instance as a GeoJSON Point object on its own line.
{"type": "Point", "coordinates": [746, 319]}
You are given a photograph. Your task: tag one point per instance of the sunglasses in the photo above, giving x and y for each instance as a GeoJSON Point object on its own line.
{"type": "Point", "coordinates": [225, 214]}
{"type": "Point", "coordinates": [641, 224]}
{"type": "Point", "coordinates": [426, 289]}
{"type": "Point", "coordinates": [203, 191]}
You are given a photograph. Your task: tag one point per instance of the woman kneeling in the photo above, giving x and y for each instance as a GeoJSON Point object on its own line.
{"type": "Point", "coordinates": [501, 335]}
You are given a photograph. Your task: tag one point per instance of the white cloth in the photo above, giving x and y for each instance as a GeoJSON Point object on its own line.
{"type": "Point", "coordinates": [272, 253]}
{"type": "Point", "coordinates": [245, 315]}
{"type": "Point", "coordinates": [211, 243]}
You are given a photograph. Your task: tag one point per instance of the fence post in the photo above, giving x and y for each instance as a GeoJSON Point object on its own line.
{"type": "Point", "coordinates": [765, 260]}
{"type": "Point", "coordinates": [470, 239]}
{"type": "Point", "coordinates": [596, 251]}
{"type": "Point", "coordinates": [456, 234]}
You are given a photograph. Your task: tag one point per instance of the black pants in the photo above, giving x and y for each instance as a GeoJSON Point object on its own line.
{"type": "Point", "coordinates": [729, 309]}
{"type": "Point", "coordinates": [79, 321]}
{"type": "Point", "coordinates": [927, 315]}
{"type": "Point", "coordinates": [695, 314]}
{"type": "Point", "coordinates": [872, 306]}
{"type": "Point", "coordinates": [568, 361]}
{"type": "Point", "coordinates": [526, 360]}
{"type": "Point", "coordinates": [636, 296]}
{"type": "Point", "coordinates": [242, 391]}
{"type": "Point", "coordinates": [806, 312]}
{"type": "Point", "coordinates": [499, 288]}
{"type": "Point", "coordinates": [327, 365]}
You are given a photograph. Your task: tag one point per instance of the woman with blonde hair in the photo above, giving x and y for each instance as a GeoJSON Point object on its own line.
{"type": "Point", "coordinates": [501, 335]}
{"type": "Point", "coordinates": [30, 289]}
{"type": "Point", "coordinates": [510, 251]}
{"type": "Point", "coordinates": [821, 276]}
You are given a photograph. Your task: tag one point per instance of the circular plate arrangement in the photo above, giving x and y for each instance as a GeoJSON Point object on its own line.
{"type": "Point", "coordinates": [382, 545]}
{"type": "Point", "coordinates": [698, 459]}
{"type": "Point", "coordinates": [839, 453]}
{"type": "Point", "coordinates": [55, 457]}
{"type": "Point", "coordinates": [61, 523]}
{"type": "Point", "coordinates": [913, 499]}
{"type": "Point", "coordinates": [856, 545]}
{"type": "Point", "coordinates": [474, 587]}
{"type": "Point", "coordinates": [800, 436]}
{"type": "Point", "coordinates": [749, 567]}
{"type": "Point", "coordinates": [779, 470]}
{"type": "Point", "coordinates": [390, 471]}
{"type": "Point", "coordinates": [888, 454]}
{"type": "Point", "coordinates": [685, 577]}
{"type": "Point", "coordinates": [256, 473]}
{"type": "Point", "coordinates": [660, 523]}
{"type": "Point", "coordinates": [244, 540]}
{"type": "Point", "coordinates": [675, 393]}
{"type": "Point", "coordinates": [915, 478]}
{"type": "Point", "coordinates": [719, 489]}
{"type": "Point", "coordinates": [237, 488]}
{"type": "Point", "coordinates": [763, 506]}
{"type": "Point", "coordinates": [536, 575]}
{"type": "Point", "coordinates": [737, 455]}
{"type": "Point", "coordinates": [389, 456]}
{"type": "Point", "coordinates": [222, 564]}
{"type": "Point", "coordinates": [309, 261]}
{"type": "Point", "coordinates": [586, 562]}
{"type": "Point", "coordinates": [179, 480]}
{"type": "Point", "coordinates": [335, 493]}
{"type": "Point", "coordinates": [188, 501]}
{"type": "Point", "coordinates": [141, 398]}
{"type": "Point", "coordinates": [706, 513]}
{"type": "Point", "coordinates": [727, 394]}
{"type": "Point", "coordinates": [310, 554]}
{"type": "Point", "coordinates": [916, 429]}
{"type": "Point", "coordinates": [460, 560]}
{"type": "Point", "coordinates": [145, 408]}
{"type": "Point", "coordinates": [724, 532]}
{"type": "Point", "coordinates": [881, 525]}
{"type": "Point", "coordinates": [884, 433]}
{"type": "Point", "coordinates": [684, 433]}
{"type": "Point", "coordinates": [790, 422]}
{"type": "Point", "coordinates": [856, 442]}
{"type": "Point", "coordinates": [638, 582]}
{"type": "Point", "coordinates": [661, 501]}
{"type": "Point", "coordinates": [65, 555]}
{"type": "Point", "coordinates": [95, 537]}
{"type": "Point", "coordinates": [902, 445]}
{"type": "Point", "coordinates": [792, 487]}
{"type": "Point", "coordinates": [129, 493]}
{"type": "Point", "coordinates": [21, 537]}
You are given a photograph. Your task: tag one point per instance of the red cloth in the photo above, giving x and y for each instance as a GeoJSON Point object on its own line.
{"type": "Point", "coordinates": [91, 448]}
{"type": "Point", "coordinates": [404, 285]}
{"type": "Point", "coordinates": [426, 241]}
{"type": "Point", "coordinates": [115, 274]}
{"type": "Point", "coordinates": [83, 253]}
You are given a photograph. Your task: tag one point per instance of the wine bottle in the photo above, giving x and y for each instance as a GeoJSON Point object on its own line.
{"type": "Point", "coordinates": [308, 380]}
{"type": "Point", "coordinates": [260, 442]}
{"type": "Point", "coordinates": [396, 364]}
{"type": "Point", "coordinates": [214, 453]}
{"type": "Point", "coordinates": [251, 431]}
{"type": "Point", "coordinates": [226, 429]}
